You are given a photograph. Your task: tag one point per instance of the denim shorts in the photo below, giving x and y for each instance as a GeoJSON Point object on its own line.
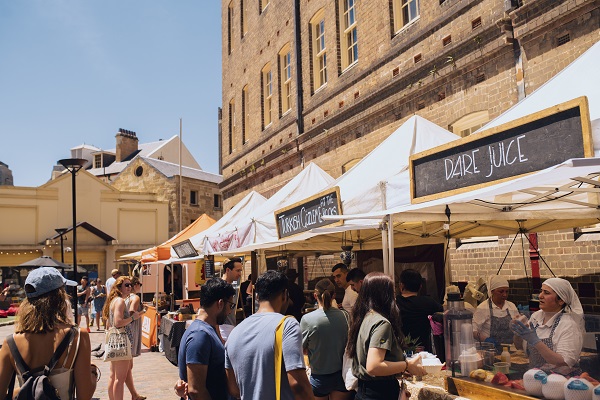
{"type": "Point", "coordinates": [83, 309]}
{"type": "Point", "coordinates": [322, 385]}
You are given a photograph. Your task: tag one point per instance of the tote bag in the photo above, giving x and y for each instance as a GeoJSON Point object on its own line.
{"type": "Point", "coordinates": [117, 346]}
{"type": "Point", "coordinates": [350, 381]}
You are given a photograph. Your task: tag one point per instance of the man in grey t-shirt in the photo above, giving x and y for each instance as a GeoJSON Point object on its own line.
{"type": "Point", "coordinates": [249, 351]}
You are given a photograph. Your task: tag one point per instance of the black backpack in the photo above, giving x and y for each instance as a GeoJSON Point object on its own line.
{"type": "Point", "coordinates": [36, 387]}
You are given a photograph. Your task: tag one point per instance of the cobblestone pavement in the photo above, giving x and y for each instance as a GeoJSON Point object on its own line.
{"type": "Point", "coordinates": [153, 374]}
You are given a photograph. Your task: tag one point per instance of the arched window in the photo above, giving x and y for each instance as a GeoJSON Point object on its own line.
{"type": "Point", "coordinates": [469, 123]}
{"type": "Point", "coordinates": [267, 95]}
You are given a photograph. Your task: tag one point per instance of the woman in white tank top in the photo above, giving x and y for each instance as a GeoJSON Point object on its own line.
{"type": "Point", "coordinates": [42, 323]}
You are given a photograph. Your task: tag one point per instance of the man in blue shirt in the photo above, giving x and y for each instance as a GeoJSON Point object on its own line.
{"type": "Point", "coordinates": [201, 352]}
{"type": "Point", "coordinates": [250, 354]}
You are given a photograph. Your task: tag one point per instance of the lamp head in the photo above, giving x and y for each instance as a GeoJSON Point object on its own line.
{"type": "Point", "coordinates": [72, 164]}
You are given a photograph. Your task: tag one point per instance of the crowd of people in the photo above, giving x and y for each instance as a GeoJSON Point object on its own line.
{"type": "Point", "coordinates": [262, 357]}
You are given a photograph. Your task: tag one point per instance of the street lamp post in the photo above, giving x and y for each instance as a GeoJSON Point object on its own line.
{"type": "Point", "coordinates": [61, 232]}
{"type": "Point", "coordinates": [73, 165]}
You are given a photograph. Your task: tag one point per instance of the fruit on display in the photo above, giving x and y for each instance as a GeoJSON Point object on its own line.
{"type": "Point", "coordinates": [596, 394]}
{"type": "Point", "coordinates": [533, 380]}
{"type": "Point", "coordinates": [500, 379]}
{"type": "Point", "coordinates": [578, 389]}
{"type": "Point", "coordinates": [478, 374]}
{"type": "Point", "coordinates": [554, 387]}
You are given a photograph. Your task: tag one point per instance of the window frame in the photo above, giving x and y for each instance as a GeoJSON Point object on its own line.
{"type": "Point", "coordinates": [193, 197]}
{"type": "Point", "coordinates": [245, 114]}
{"type": "Point", "coordinates": [217, 201]}
{"type": "Point", "coordinates": [232, 124]}
{"type": "Point", "coordinates": [97, 160]}
{"type": "Point", "coordinates": [319, 50]}
{"type": "Point", "coordinates": [230, 16]}
{"type": "Point", "coordinates": [267, 95]}
{"type": "Point", "coordinates": [285, 80]}
{"type": "Point", "coordinates": [243, 19]}
{"type": "Point", "coordinates": [398, 7]}
{"type": "Point", "coordinates": [348, 33]}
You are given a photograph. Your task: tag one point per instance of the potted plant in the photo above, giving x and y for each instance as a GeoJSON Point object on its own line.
{"type": "Point", "coordinates": [410, 345]}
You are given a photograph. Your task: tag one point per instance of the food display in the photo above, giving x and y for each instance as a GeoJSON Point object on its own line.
{"type": "Point", "coordinates": [578, 389]}
{"type": "Point", "coordinates": [596, 394]}
{"type": "Point", "coordinates": [533, 380]}
{"type": "Point", "coordinates": [554, 387]}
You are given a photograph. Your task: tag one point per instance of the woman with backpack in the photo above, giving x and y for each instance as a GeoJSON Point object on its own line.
{"type": "Point", "coordinates": [44, 333]}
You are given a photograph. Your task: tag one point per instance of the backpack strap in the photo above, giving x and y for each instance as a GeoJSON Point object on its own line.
{"type": "Point", "coordinates": [279, 355]}
{"type": "Point", "coordinates": [22, 366]}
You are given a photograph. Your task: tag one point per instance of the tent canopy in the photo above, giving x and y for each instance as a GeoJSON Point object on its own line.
{"type": "Point", "coordinates": [259, 226]}
{"type": "Point", "coordinates": [562, 196]}
{"type": "Point", "coordinates": [380, 180]}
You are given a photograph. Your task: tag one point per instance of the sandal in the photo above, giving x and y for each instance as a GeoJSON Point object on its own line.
{"type": "Point", "coordinates": [138, 397]}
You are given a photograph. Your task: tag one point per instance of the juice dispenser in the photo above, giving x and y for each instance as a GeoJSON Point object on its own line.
{"type": "Point", "coordinates": [458, 336]}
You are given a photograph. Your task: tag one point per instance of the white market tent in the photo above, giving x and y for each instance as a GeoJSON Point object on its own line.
{"type": "Point", "coordinates": [258, 226]}
{"type": "Point", "coordinates": [379, 181]}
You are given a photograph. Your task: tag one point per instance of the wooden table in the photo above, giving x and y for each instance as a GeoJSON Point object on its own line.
{"type": "Point", "coordinates": [477, 390]}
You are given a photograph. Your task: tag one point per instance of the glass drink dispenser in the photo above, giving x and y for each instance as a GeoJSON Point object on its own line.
{"type": "Point", "coordinates": [458, 336]}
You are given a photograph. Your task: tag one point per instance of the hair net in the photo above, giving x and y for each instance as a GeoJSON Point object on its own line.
{"type": "Point", "coordinates": [496, 282]}
{"type": "Point", "coordinates": [565, 291]}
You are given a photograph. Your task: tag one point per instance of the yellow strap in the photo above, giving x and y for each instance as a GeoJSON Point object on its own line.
{"type": "Point", "coordinates": [279, 356]}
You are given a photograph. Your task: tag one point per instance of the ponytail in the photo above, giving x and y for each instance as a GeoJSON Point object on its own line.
{"type": "Point", "coordinates": [325, 289]}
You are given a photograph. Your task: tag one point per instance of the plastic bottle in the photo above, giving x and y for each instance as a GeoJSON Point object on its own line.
{"type": "Point", "coordinates": [505, 356]}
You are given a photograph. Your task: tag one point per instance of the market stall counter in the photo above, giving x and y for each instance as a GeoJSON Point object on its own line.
{"type": "Point", "coordinates": [171, 332]}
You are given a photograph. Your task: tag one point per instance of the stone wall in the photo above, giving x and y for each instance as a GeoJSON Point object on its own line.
{"type": "Point", "coordinates": [167, 189]}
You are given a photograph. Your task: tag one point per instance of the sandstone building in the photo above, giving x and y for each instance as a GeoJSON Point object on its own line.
{"type": "Point", "coordinates": [153, 167]}
{"type": "Point", "coordinates": [326, 81]}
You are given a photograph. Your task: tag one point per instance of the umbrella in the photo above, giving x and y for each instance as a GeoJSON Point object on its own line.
{"type": "Point", "coordinates": [45, 261]}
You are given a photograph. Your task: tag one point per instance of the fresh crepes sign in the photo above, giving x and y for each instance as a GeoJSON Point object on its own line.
{"type": "Point", "coordinates": [308, 214]}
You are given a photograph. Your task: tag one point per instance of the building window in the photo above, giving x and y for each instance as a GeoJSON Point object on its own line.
{"type": "Point", "coordinates": [231, 124]}
{"type": "Point", "coordinates": [98, 161]}
{"type": "Point", "coordinates": [263, 5]}
{"type": "Point", "coordinates": [319, 58]}
{"type": "Point", "coordinates": [285, 89]}
{"type": "Point", "coordinates": [405, 11]}
{"type": "Point", "coordinates": [244, 27]}
{"type": "Point", "coordinates": [217, 202]}
{"type": "Point", "coordinates": [469, 123]}
{"type": "Point", "coordinates": [348, 34]}
{"type": "Point", "coordinates": [267, 95]}
{"type": "Point", "coordinates": [194, 197]}
{"type": "Point", "coordinates": [229, 26]}
{"type": "Point", "coordinates": [245, 115]}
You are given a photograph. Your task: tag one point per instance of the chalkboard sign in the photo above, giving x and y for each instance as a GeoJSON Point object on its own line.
{"type": "Point", "coordinates": [209, 266]}
{"type": "Point", "coordinates": [306, 215]}
{"type": "Point", "coordinates": [185, 249]}
{"type": "Point", "coordinates": [523, 146]}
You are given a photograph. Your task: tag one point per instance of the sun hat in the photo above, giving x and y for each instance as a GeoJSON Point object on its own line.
{"type": "Point", "coordinates": [114, 272]}
{"type": "Point", "coordinates": [43, 280]}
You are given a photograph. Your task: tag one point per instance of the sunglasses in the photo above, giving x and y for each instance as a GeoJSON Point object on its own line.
{"type": "Point", "coordinates": [127, 284]}
{"type": "Point", "coordinates": [231, 304]}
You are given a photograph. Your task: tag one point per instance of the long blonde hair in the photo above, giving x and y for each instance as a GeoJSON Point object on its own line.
{"type": "Point", "coordinates": [115, 292]}
{"type": "Point", "coordinates": [42, 314]}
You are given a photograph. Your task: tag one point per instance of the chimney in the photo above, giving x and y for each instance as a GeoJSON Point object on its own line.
{"type": "Point", "coordinates": [127, 144]}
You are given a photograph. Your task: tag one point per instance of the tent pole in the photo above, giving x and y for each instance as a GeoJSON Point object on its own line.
{"type": "Point", "coordinates": [384, 245]}
{"type": "Point", "coordinates": [391, 247]}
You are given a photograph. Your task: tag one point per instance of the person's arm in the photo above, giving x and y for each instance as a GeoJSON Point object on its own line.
{"type": "Point", "coordinates": [85, 382]}
{"type": "Point", "coordinates": [300, 385]}
{"type": "Point", "coordinates": [196, 388]}
{"type": "Point", "coordinates": [232, 386]}
{"type": "Point", "coordinates": [119, 320]}
{"type": "Point", "coordinates": [377, 365]}
{"type": "Point", "coordinates": [6, 369]}
{"type": "Point", "coordinates": [134, 305]}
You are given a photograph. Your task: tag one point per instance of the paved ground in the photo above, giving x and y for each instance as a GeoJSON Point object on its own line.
{"type": "Point", "coordinates": [153, 374]}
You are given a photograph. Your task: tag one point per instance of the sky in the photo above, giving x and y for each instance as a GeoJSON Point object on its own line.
{"type": "Point", "coordinates": [74, 72]}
